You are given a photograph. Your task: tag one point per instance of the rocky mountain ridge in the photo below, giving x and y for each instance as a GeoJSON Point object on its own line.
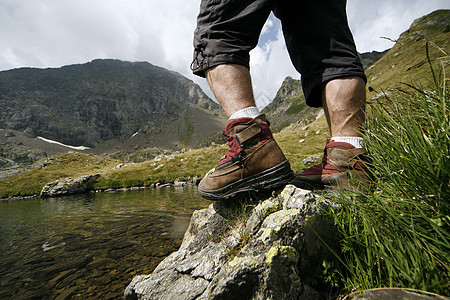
{"type": "Point", "coordinates": [289, 107]}
{"type": "Point", "coordinates": [111, 106]}
{"type": "Point", "coordinates": [88, 104]}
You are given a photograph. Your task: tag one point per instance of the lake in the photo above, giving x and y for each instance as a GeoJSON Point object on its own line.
{"type": "Point", "coordinates": [91, 245]}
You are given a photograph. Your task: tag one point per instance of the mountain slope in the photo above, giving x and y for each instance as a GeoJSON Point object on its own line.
{"type": "Point", "coordinates": [105, 100]}
{"type": "Point", "coordinates": [407, 60]}
{"type": "Point", "coordinates": [289, 106]}
{"type": "Point", "coordinates": [369, 58]}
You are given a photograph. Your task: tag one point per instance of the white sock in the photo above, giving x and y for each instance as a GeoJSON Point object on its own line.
{"type": "Point", "coordinates": [248, 112]}
{"type": "Point", "coordinates": [358, 142]}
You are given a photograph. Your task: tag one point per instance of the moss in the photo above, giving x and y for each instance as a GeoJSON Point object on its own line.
{"type": "Point", "coordinates": [236, 261]}
{"type": "Point", "coordinates": [277, 251]}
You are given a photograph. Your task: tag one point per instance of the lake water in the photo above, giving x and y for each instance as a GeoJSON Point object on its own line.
{"type": "Point", "coordinates": [89, 246]}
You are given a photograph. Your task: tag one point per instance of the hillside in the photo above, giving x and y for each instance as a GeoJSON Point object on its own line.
{"type": "Point", "coordinates": [406, 61]}
{"type": "Point", "coordinates": [289, 107]}
{"type": "Point", "coordinates": [111, 106]}
{"type": "Point", "coordinates": [103, 100]}
{"type": "Point", "coordinates": [369, 58]}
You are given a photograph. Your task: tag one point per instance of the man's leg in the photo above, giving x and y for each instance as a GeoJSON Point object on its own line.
{"type": "Point", "coordinates": [254, 161]}
{"type": "Point", "coordinates": [221, 54]}
{"type": "Point", "coordinates": [344, 161]}
{"type": "Point", "coordinates": [232, 86]}
{"type": "Point", "coordinates": [344, 102]}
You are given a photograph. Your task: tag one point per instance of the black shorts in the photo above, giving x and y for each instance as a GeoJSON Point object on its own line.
{"type": "Point", "coordinates": [317, 36]}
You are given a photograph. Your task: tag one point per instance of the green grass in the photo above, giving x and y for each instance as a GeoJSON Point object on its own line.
{"type": "Point", "coordinates": [404, 62]}
{"type": "Point", "coordinates": [62, 165]}
{"type": "Point", "coordinates": [136, 172]}
{"type": "Point", "coordinates": [295, 108]}
{"type": "Point", "coordinates": [313, 144]}
{"type": "Point", "coordinates": [398, 236]}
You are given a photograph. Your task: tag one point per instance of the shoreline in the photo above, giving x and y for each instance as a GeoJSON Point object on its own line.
{"type": "Point", "coordinates": [175, 184]}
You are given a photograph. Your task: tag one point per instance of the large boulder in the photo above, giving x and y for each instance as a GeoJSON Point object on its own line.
{"type": "Point", "coordinates": [69, 186]}
{"type": "Point", "coordinates": [269, 254]}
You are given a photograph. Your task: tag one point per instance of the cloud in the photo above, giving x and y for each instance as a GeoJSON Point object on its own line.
{"type": "Point", "coordinates": [45, 33]}
{"type": "Point", "coordinates": [269, 66]}
{"type": "Point", "coordinates": [371, 20]}
{"type": "Point", "coordinates": [53, 33]}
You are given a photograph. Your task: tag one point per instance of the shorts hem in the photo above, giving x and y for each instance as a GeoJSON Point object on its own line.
{"type": "Point", "coordinates": [220, 59]}
{"type": "Point", "coordinates": [313, 85]}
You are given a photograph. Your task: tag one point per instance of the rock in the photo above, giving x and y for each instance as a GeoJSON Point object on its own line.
{"type": "Point", "coordinates": [29, 132]}
{"type": "Point", "coordinates": [312, 159]}
{"type": "Point", "coordinates": [196, 180]}
{"type": "Point", "coordinates": [119, 166]}
{"type": "Point", "coordinates": [9, 134]}
{"type": "Point", "coordinates": [179, 183]}
{"type": "Point", "coordinates": [269, 255]}
{"type": "Point", "coordinates": [68, 186]}
{"type": "Point", "coordinates": [163, 185]}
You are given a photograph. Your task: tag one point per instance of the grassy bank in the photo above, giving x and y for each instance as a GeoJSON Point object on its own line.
{"type": "Point", "coordinates": [167, 166]}
{"type": "Point", "coordinates": [399, 235]}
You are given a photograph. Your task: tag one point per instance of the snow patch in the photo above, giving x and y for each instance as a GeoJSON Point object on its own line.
{"type": "Point", "coordinates": [61, 144]}
{"type": "Point", "coordinates": [134, 134]}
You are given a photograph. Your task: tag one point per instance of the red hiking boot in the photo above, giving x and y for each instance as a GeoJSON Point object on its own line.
{"type": "Point", "coordinates": [342, 166]}
{"type": "Point", "coordinates": [254, 162]}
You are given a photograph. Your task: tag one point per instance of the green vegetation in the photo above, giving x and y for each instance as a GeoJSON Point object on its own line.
{"type": "Point", "coordinates": [154, 165]}
{"type": "Point", "coordinates": [404, 62]}
{"type": "Point", "coordinates": [298, 145]}
{"type": "Point", "coordinates": [398, 236]}
{"type": "Point", "coordinates": [58, 166]}
{"type": "Point", "coordinates": [295, 107]}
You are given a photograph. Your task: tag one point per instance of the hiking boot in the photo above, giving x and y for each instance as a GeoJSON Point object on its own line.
{"type": "Point", "coordinates": [342, 166]}
{"type": "Point", "coordinates": [254, 162]}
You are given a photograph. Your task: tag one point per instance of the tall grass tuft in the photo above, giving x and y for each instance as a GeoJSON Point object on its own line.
{"type": "Point", "coordinates": [398, 236]}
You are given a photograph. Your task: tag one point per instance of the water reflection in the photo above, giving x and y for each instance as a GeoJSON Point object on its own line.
{"type": "Point", "coordinates": [89, 246]}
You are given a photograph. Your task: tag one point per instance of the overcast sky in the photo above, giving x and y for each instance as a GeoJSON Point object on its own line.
{"type": "Point", "coordinates": [53, 33]}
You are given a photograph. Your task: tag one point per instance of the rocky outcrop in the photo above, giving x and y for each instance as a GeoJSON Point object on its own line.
{"type": "Point", "coordinates": [271, 254]}
{"type": "Point", "coordinates": [69, 186]}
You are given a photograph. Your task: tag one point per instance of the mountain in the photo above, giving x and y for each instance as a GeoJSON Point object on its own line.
{"type": "Point", "coordinates": [288, 110]}
{"type": "Point", "coordinates": [289, 106]}
{"type": "Point", "coordinates": [369, 58]}
{"type": "Point", "coordinates": [108, 100]}
{"type": "Point", "coordinates": [406, 61]}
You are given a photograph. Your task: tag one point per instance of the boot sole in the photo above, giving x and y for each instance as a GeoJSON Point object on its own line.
{"type": "Point", "coordinates": [270, 179]}
{"type": "Point", "coordinates": [334, 181]}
